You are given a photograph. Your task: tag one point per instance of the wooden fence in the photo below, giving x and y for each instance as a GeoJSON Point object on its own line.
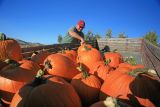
{"type": "Point", "coordinates": [151, 56]}
{"type": "Point", "coordinates": [121, 44]}
{"type": "Point", "coordinates": [126, 46]}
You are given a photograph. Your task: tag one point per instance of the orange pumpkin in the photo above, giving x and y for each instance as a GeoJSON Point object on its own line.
{"type": "Point", "coordinates": [68, 55]}
{"type": "Point", "coordinates": [73, 52]}
{"type": "Point", "coordinates": [115, 57]}
{"type": "Point", "coordinates": [123, 69]}
{"type": "Point", "coordinates": [40, 57]}
{"type": "Point", "coordinates": [47, 91]}
{"type": "Point", "coordinates": [132, 67]}
{"type": "Point", "coordinates": [87, 86]}
{"type": "Point", "coordinates": [83, 47]}
{"type": "Point", "coordinates": [137, 66]}
{"type": "Point", "coordinates": [10, 49]}
{"type": "Point", "coordinates": [14, 76]}
{"type": "Point", "coordinates": [139, 89]}
{"type": "Point", "coordinates": [101, 70]}
{"type": "Point", "coordinates": [89, 57]}
{"type": "Point", "coordinates": [60, 65]}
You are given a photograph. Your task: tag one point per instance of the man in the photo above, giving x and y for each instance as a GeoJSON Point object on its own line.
{"type": "Point", "coordinates": [75, 34]}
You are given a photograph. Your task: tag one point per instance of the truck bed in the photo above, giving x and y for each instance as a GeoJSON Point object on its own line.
{"type": "Point", "coordinates": [144, 52]}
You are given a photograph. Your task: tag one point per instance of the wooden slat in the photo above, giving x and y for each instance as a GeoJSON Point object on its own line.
{"type": "Point", "coordinates": [154, 49]}
{"type": "Point", "coordinates": [122, 40]}
{"type": "Point", "coordinates": [153, 61]}
{"type": "Point", "coordinates": [127, 44]}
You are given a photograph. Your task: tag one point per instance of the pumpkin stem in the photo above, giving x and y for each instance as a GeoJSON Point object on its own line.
{"type": "Point", "coordinates": [136, 72]}
{"type": "Point", "coordinates": [40, 73]}
{"type": "Point", "coordinates": [111, 102]}
{"type": "Point", "coordinates": [85, 74]}
{"type": "Point", "coordinates": [2, 37]}
{"type": "Point", "coordinates": [12, 62]}
{"type": "Point", "coordinates": [38, 79]}
{"type": "Point", "coordinates": [47, 65]}
{"type": "Point", "coordinates": [86, 48]}
{"type": "Point", "coordinates": [67, 48]}
{"type": "Point", "coordinates": [107, 61]}
{"type": "Point", "coordinates": [131, 60]}
{"type": "Point", "coordinates": [35, 52]}
{"type": "Point", "coordinates": [114, 102]}
{"type": "Point", "coordinates": [83, 70]}
{"type": "Point", "coordinates": [62, 51]}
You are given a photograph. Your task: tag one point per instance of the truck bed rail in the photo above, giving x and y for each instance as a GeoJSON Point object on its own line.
{"type": "Point", "coordinates": [151, 56]}
{"type": "Point", "coordinates": [27, 52]}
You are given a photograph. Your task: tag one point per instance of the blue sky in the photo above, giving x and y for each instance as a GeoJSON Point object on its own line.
{"type": "Point", "coordinates": [43, 20]}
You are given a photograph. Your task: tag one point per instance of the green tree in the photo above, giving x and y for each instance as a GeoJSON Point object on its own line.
{"type": "Point", "coordinates": [122, 35]}
{"type": "Point", "coordinates": [89, 36]}
{"type": "Point", "coordinates": [152, 37]}
{"type": "Point", "coordinates": [109, 33]}
{"type": "Point", "coordinates": [60, 38]}
{"type": "Point", "coordinates": [98, 36]}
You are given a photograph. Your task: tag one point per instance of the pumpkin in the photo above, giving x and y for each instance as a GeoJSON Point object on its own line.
{"type": "Point", "coordinates": [68, 55]}
{"type": "Point", "coordinates": [73, 52]}
{"type": "Point", "coordinates": [123, 69]}
{"type": "Point", "coordinates": [2, 64]}
{"type": "Point", "coordinates": [137, 66]}
{"type": "Point", "coordinates": [125, 64]}
{"type": "Point", "coordinates": [14, 75]}
{"type": "Point", "coordinates": [128, 65]}
{"type": "Point", "coordinates": [47, 91]}
{"type": "Point", "coordinates": [101, 70]}
{"type": "Point", "coordinates": [39, 57]}
{"type": "Point", "coordinates": [87, 86]}
{"type": "Point", "coordinates": [139, 88]}
{"type": "Point", "coordinates": [10, 49]}
{"type": "Point", "coordinates": [89, 57]}
{"type": "Point", "coordinates": [83, 47]}
{"type": "Point", "coordinates": [60, 65]}
{"type": "Point", "coordinates": [115, 57]}
{"type": "Point", "coordinates": [131, 63]}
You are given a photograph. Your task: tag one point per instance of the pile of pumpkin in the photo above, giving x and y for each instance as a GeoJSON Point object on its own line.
{"type": "Point", "coordinates": [82, 78]}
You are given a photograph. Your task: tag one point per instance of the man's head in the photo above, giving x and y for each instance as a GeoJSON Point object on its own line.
{"type": "Point", "coordinates": [80, 25]}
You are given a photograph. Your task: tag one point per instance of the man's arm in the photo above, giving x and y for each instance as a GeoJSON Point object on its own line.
{"type": "Point", "coordinates": [75, 35]}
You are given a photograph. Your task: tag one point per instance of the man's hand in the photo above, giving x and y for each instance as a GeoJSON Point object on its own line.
{"type": "Point", "coordinates": [82, 41]}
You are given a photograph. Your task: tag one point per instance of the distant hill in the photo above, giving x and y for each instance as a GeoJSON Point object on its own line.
{"type": "Point", "coordinates": [25, 44]}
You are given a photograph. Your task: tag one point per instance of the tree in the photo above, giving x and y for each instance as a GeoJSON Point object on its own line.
{"type": "Point", "coordinates": [98, 36]}
{"type": "Point", "coordinates": [109, 33]}
{"type": "Point", "coordinates": [152, 37]}
{"type": "Point", "coordinates": [89, 36]}
{"type": "Point", "coordinates": [60, 38]}
{"type": "Point", "coordinates": [122, 35]}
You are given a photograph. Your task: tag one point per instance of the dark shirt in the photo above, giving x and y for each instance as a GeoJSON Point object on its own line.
{"type": "Point", "coordinates": [69, 39]}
